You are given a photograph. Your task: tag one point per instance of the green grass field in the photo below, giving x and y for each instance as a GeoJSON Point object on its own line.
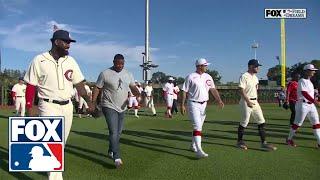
{"type": "Point", "coordinates": [157, 148]}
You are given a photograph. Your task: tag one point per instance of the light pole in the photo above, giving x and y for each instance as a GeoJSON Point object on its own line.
{"type": "Point", "coordinates": [146, 61]}
{"type": "Point", "coordinates": [254, 46]}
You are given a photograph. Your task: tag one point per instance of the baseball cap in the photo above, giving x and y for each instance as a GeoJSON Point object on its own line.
{"type": "Point", "coordinates": [310, 67]}
{"type": "Point", "coordinates": [62, 34]}
{"type": "Point", "coordinates": [171, 79]}
{"type": "Point", "coordinates": [202, 61]}
{"type": "Point", "coordinates": [254, 62]}
{"type": "Point", "coordinates": [21, 78]}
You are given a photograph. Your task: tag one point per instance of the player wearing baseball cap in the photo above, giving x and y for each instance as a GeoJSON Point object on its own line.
{"type": "Point", "coordinates": [197, 85]}
{"type": "Point", "coordinates": [18, 96]}
{"type": "Point", "coordinates": [248, 85]}
{"type": "Point", "coordinates": [168, 92]}
{"type": "Point", "coordinates": [54, 73]}
{"type": "Point", "coordinates": [148, 90]}
{"type": "Point", "coordinates": [306, 105]}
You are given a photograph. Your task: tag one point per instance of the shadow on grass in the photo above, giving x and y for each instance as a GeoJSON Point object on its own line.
{"type": "Point", "coordinates": [141, 144]}
{"type": "Point", "coordinates": [5, 166]}
{"type": "Point", "coordinates": [188, 134]}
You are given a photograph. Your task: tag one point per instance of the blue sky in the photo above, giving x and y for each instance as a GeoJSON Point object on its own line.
{"type": "Point", "coordinates": [181, 31]}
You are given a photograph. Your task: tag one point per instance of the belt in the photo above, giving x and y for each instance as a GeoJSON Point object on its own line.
{"type": "Point", "coordinates": [57, 102]}
{"type": "Point", "coordinates": [307, 102]}
{"type": "Point", "coordinates": [19, 96]}
{"type": "Point", "coordinates": [199, 102]}
{"type": "Point", "coordinates": [253, 98]}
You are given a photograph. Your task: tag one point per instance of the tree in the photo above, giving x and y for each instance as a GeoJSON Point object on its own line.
{"type": "Point", "coordinates": [215, 76]}
{"type": "Point", "coordinates": [159, 77]}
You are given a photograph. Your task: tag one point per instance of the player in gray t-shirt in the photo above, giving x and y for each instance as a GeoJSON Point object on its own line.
{"type": "Point", "coordinates": [115, 83]}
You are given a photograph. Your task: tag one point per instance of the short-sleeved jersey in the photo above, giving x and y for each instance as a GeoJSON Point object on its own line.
{"type": "Point", "coordinates": [305, 85]}
{"type": "Point", "coordinates": [54, 79]}
{"type": "Point", "coordinates": [250, 84]}
{"type": "Point", "coordinates": [115, 88]}
{"type": "Point", "coordinates": [176, 91]}
{"type": "Point", "coordinates": [19, 89]}
{"type": "Point", "coordinates": [168, 88]}
{"type": "Point", "coordinates": [148, 90]}
{"type": "Point", "coordinates": [197, 86]}
{"type": "Point", "coordinates": [292, 91]}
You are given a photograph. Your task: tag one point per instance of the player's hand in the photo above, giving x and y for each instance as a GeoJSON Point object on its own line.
{"type": "Point", "coordinates": [220, 104]}
{"type": "Point", "coordinates": [250, 104]}
{"type": "Point", "coordinates": [92, 106]}
{"type": "Point", "coordinates": [183, 110]}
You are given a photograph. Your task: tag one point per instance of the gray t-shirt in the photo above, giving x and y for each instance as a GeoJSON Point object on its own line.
{"type": "Point", "coordinates": [115, 88]}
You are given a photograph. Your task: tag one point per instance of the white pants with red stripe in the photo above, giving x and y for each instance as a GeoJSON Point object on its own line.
{"type": "Point", "coordinates": [197, 114]}
{"type": "Point", "coordinates": [304, 110]}
{"type": "Point", "coordinates": [133, 102]}
{"type": "Point", "coordinates": [20, 103]}
{"type": "Point", "coordinates": [51, 109]}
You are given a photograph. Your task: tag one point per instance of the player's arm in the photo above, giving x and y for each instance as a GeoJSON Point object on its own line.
{"type": "Point", "coordinates": [288, 92]}
{"type": "Point", "coordinates": [30, 94]}
{"type": "Point", "coordinates": [245, 97]}
{"type": "Point", "coordinates": [134, 89]}
{"type": "Point", "coordinates": [82, 91]}
{"type": "Point", "coordinates": [216, 96]}
{"type": "Point", "coordinates": [183, 100]}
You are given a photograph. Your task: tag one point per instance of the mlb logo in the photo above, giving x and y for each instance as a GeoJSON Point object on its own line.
{"type": "Point", "coordinates": [36, 144]}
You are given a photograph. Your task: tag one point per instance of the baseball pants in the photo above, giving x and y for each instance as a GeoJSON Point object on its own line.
{"type": "Point", "coordinates": [197, 114]}
{"type": "Point", "coordinates": [133, 102]}
{"type": "Point", "coordinates": [304, 110]}
{"type": "Point", "coordinates": [169, 100]}
{"type": "Point", "coordinates": [20, 103]}
{"type": "Point", "coordinates": [150, 104]}
{"type": "Point", "coordinates": [51, 109]}
{"type": "Point", "coordinates": [246, 112]}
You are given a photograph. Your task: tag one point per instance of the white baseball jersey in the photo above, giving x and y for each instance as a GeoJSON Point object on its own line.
{"type": "Point", "coordinates": [19, 89]}
{"type": "Point", "coordinates": [148, 90]}
{"type": "Point", "coordinates": [176, 91]}
{"type": "Point", "coordinates": [197, 86]}
{"type": "Point", "coordinates": [54, 79]}
{"type": "Point", "coordinates": [250, 84]}
{"type": "Point", "coordinates": [305, 85]}
{"type": "Point", "coordinates": [168, 88]}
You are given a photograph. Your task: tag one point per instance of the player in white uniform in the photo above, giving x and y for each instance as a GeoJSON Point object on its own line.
{"type": "Point", "coordinates": [248, 86]}
{"type": "Point", "coordinates": [197, 85]}
{"type": "Point", "coordinates": [176, 91]}
{"type": "Point", "coordinates": [54, 73]}
{"type": "Point", "coordinates": [168, 95]}
{"type": "Point", "coordinates": [149, 98]}
{"type": "Point", "coordinates": [18, 95]}
{"type": "Point", "coordinates": [306, 106]}
{"type": "Point", "coordinates": [133, 103]}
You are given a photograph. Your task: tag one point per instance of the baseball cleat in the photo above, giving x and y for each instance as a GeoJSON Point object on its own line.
{"type": "Point", "coordinates": [290, 142]}
{"type": "Point", "coordinates": [118, 163]}
{"type": "Point", "coordinates": [201, 154]}
{"type": "Point", "coordinates": [136, 116]}
{"type": "Point", "coordinates": [268, 147]}
{"type": "Point", "coordinates": [242, 145]}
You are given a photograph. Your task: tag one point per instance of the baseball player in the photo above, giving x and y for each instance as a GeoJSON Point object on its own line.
{"type": "Point", "coordinates": [197, 85]}
{"type": "Point", "coordinates": [18, 96]}
{"type": "Point", "coordinates": [291, 95]}
{"type": "Point", "coordinates": [54, 73]}
{"type": "Point", "coordinates": [133, 102]}
{"type": "Point", "coordinates": [149, 98]}
{"type": "Point", "coordinates": [306, 106]}
{"type": "Point", "coordinates": [168, 95]}
{"type": "Point", "coordinates": [249, 105]}
{"type": "Point", "coordinates": [176, 91]}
